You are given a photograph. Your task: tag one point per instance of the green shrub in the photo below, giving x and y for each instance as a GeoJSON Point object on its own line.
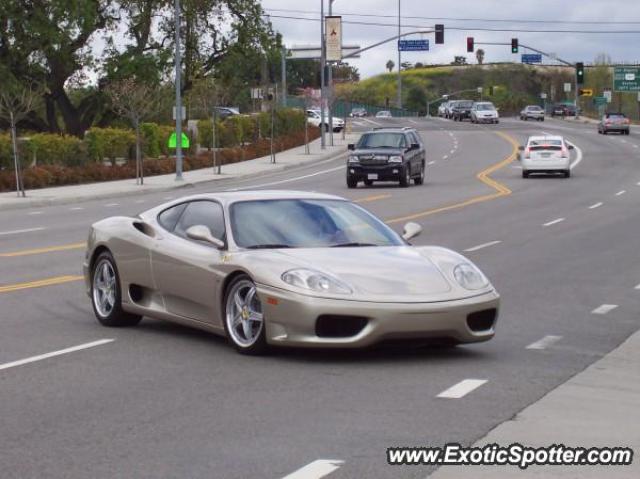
{"type": "Point", "coordinates": [110, 143]}
{"type": "Point", "coordinates": [6, 158]}
{"type": "Point", "coordinates": [151, 141]}
{"type": "Point", "coordinates": [53, 149]}
{"type": "Point", "coordinates": [165, 132]}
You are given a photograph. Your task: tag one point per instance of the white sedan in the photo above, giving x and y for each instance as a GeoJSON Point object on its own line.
{"type": "Point", "coordinates": [546, 154]}
{"type": "Point", "coordinates": [313, 118]}
{"type": "Point", "coordinates": [484, 112]}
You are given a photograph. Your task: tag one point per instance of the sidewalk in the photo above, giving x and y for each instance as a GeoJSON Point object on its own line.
{"type": "Point", "coordinates": [284, 160]}
{"type": "Point", "coordinates": [598, 407]}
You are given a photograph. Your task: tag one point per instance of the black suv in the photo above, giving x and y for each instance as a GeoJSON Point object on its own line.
{"type": "Point", "coordinates": [462, 110]}
{"type": "Point", "coordinates": [387, 154]}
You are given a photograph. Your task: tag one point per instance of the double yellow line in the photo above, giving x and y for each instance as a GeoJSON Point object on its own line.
{"type": "Point", "coordinates": [500, 191]}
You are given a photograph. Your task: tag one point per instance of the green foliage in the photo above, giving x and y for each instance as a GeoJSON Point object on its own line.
{"type": "Point", "coordinates": [151, 141]}
{"type": "Point", "coordinates": [6, 158]}
{"type": "Point", "coordinates": [165, 132]}
{"type": "Point", "coordinates": [103, 143]}
{"type": "Point", "coordinates": [51, 149]}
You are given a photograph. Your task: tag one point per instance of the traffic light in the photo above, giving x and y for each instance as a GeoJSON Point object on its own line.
{"type": "Point", "coordinates": [470, 44]}
{"type": "Point", "coordinates": [514, 45]}
{"type": "Point", "coordinates": [439, 33]}
{"type": "Point", "coordinates": [580, 73]}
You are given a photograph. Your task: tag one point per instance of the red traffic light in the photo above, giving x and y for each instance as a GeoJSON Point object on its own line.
{"type": "Point", "coordinates": [470, 44]}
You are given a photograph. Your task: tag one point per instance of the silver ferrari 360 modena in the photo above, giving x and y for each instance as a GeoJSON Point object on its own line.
{"type": "Point", "coordinates": [283, 268]}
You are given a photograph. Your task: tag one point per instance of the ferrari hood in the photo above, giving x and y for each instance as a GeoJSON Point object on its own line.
{"type": "Point", "coordinates": [380, 274]}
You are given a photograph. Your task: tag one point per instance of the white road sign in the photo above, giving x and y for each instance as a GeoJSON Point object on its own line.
{"type": "Point", "coordinates": [567, 87]}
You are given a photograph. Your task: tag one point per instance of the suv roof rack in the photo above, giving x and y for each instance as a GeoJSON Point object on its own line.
{"type": "Point", "coordinates": [404, 128]}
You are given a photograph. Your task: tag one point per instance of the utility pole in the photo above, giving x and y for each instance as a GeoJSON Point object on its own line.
{"type": "Point", "coordinates": [178, 95]}
{"type": "Point", "coordinates": [399, 101]}
{"type": "Point", "coordinates": [284, 76]}
{"type": "Point", "coordinates": [330, 95]}
{"type": "Point", "coordinates": [323, 62]}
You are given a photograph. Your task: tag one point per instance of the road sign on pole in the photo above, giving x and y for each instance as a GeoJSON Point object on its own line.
{"type": "Point", "coordinates": [585, 92]}
{"type": "Point", "coordinates": [413, 45]}
{"type": "Point", "coordinates": [567, 87]}
{"type": "Point", "coordinates": [607, 95]}
{"type": "Point", "coordinates": [531, 58]}
{"type": "Point", "coordinates": [543, 95]}
{"type": "Point", "coordinates": [599, 100]}
{"type": "Point", "coordinates": [626, 78]}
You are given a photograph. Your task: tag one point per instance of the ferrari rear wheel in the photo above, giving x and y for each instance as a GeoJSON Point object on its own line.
{"type": "Point", "coordinates": [106, 297]}
{"type": "Point", "coordinates": [244, 319]}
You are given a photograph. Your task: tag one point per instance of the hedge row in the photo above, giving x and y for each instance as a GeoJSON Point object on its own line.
{"type": "Point", "coordinates": [47, 175]}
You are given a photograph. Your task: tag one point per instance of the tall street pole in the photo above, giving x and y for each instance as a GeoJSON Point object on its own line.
{"type": "Point", "coordinates": [323, 62]}
{"type": "Point", "coordinates": [399, 101]}
{"type": "Point", "coordinates": [330, 95]}
{"type": "Point", "coordinates": [283, 74]}
{"type": "Point", "coordinates": [178, 95]}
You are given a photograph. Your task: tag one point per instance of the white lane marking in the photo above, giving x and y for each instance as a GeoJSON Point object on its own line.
{"type": "Point", "coordinates": [553, 222]}
{"type": "Point", "coordinates": [288, 180]}
{"type": "Point", "coordinates": [112, 204]}
{"type": "Point", "coordinates": [621, 192]}
{"type": "Point", "coordinates": [483, 245]}
{"type": "Point", "coordinates": [604, 308]}
{"type": "Point", "coordinates": [431, 163]}
{"type": "Point", "coordinates": [452, 152]}
{"type": "Point", "coordinates": [140, 201]}
{"type": "Point", "coordinates": [638, 183]}
{"type": "Point", "coordinates": [635, 146]}
{"type": "Point", "coordinates": [461, 389]}
{"type": "Point", "coordinates": [623, 141]}
{"type": "Point", "coordinates": [578, 155]}
{"type": "Point", "coordinates": [76, 208]}
{"type": "Point", "coordinates": [55, 353]}
{"type": "Point", "coordinates": [316, 469]}
{"type": "Point", "coordinates": [596, 205]}
{"type": "Point", "coordinates": [637, 287]}
{"type": "Point", "coordinates": [35, 213]}
{"type": "Point", "coordinates": [445, 157]}
{"type": "Point", "coordinates": [412, 121]}
{"type": "Point", "coordinates": [544, 342]}
{"type": "Point", "coordinates": [15, 232]}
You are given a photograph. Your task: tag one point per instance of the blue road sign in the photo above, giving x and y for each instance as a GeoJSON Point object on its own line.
{"type": "Point", "coordinates": [413, 45]}
{"type": "Point", "coordinates": [531, 58]}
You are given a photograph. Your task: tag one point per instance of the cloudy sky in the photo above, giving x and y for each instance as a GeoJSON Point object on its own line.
{"type": "Point", "coordinates": [466, 15]}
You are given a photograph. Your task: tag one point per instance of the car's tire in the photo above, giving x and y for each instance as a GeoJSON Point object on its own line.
{"type": "Point", "coordinates": [351, 182]}
{"type": "Point", "coordinates": [106, 296]}
{"type": "Point", "coordinates": [567, 173]}
{"type": "Point", "coordinates": [525, 174]}
{"type": "Point", "coordinates": [419, 180]}
{"type": "Point", "coordinates": [604, 132]}
{"type": "Point", "coordinates": [541, 119]}
{"type": "Point", "coordinates": [368, 182]}
{"type": "Point", "coordinates": [244, 320]}
{"type": "Point", "coordinates": [626, 132]}
{"type": "Point", "coordinates": [405, 176]}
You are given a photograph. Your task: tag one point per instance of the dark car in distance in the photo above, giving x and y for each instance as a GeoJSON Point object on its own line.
{"type": "Point", "coordinates": [462, 110]}
{"type": "Point", "coordinates": [387, 154]}
{"type": "Point", "coordinates": [562, 109]}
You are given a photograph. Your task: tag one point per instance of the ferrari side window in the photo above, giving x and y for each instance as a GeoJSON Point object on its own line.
{"type": "Point", "coordinates": [169, 217]}
{"type": "Point", "coordinates": [207, 213]}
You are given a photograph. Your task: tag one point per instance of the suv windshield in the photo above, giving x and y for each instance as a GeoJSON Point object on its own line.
{"type": "Point", "coordinates": [300, 223]}
{"type": "Point", "coordinates": [382, 140]}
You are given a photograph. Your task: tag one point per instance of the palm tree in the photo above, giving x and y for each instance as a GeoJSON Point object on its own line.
{"type": "Point", "coordinates": [480, 55]}
{"type": "Point", "coordinates": [390, 65]}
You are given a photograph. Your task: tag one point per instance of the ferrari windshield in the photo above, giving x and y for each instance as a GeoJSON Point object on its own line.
{"type": "Point", "coordinates": [306, 223]}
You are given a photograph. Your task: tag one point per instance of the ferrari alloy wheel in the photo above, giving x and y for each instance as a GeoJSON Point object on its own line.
{"type": "Point", "coordinates": [106, 296]}
{"type": "Point", "coordinates": [244, 319]}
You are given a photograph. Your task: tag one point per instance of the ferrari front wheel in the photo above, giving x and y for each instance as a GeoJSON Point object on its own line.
{"type": "Point", "coordinates": [244, 319]}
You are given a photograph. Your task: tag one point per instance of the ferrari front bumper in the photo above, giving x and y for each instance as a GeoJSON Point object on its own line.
{"type": "Point", "coordinates": [292, 319]}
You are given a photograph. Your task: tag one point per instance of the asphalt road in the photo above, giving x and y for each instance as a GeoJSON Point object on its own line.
{"type": "Point", "coordinates": [165, 401]}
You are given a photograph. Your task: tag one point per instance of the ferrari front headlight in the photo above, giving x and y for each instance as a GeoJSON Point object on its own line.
{"type": "Point", "coordinates": [469, 277]}
{"type": "Point", "coordinates": [315, 281]}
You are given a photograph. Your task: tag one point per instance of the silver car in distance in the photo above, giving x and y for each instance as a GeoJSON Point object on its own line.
{"type": "Point", "coordinates": [283, 268]}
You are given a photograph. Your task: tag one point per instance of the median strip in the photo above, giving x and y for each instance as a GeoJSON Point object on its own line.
{"type": "Point", "coordinates": [39, 283]}
{"type": "Point", "coordinates": [368, 199]}
{"type": "Point", "coordinates": [49, 249]}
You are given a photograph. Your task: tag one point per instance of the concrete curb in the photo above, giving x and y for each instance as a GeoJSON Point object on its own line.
{"type": "Point", "coordinates": [29, 202]}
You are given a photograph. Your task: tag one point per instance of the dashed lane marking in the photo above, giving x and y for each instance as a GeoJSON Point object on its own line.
{"type": "Point", "coordinates": [553, 222]}
{"type": "Point", "coordinates": [604, 308]}
{"type": "Point", "coordinates": [52, 354]}
{"type": "Point", "coordinates": [596, 205]}
{"type": "Point", "coordinates": [26, 230]}
{"type": "Point", "coordinates": [482, 246]}
{"type": "Point", "coordinates": [621, 192]}
{"type": "Point", "coordinates": [316, 469]}
{"type": "Point", "coordinates": [461, 389]}
{"type": "Point", "coordinates": [545, 342]}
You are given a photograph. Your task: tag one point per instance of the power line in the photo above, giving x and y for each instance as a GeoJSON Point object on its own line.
{"type": "Point", "coordinates": [497, 20]}
{"type": "Point", "coordinates": [476, 29]}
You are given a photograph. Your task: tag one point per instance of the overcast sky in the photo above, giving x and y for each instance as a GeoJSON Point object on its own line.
{"type": "Point", "coordinates": [606, 15]}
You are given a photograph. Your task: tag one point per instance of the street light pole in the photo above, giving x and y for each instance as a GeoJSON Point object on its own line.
{"type": "Point", "coordinates": [178, 95]}
{"type": "Point", "coordinates": [399, 63]}
{"type": "Point", "coordinates": [330, 90]}
{"type": "Point", "coordinates": [323, 62]}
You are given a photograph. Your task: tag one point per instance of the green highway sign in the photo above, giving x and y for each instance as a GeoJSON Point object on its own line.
{"type": "Point", "coordinates": [172, 141]}
{"type": "Point", "coordinates": [600, 100]}
{"type": "Point", "coordinates": [626, 78]}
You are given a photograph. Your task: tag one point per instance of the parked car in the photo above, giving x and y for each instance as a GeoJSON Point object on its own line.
{"type": "Point", "coordinates": [462, 110]}
{"type": "Point", "coordinates": [313, 117]}
{"type": "Point", "coordinates": [448, 111]}
{"type": "Point", "coordinates": [563, 110]}
{"type": "Point", "coordinates": [484, 112]}
{"type": "Point", "coordinates": [442, 108]}
{"type": "Point", "coordinates": [383, 114]}
{"type": "Point", "coordinates": [614, 122]}
{"type": "Point", "coordinates": [546, 154]}
{"type": "Point", "coordinates": [387, 154]}
{"type": "Point", "coordinates": [532, 112]}
{"type": "Point", "coordinates": [224, 112]}
{"type": "Point", "coordinates": [358, 112]}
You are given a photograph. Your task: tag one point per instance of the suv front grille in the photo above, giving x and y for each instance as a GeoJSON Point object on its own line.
{"type": "Point", "coordinates": [373, 159]}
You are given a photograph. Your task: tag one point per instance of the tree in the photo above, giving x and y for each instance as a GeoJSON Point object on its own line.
{"type": "Point", "coordinates": [343, 72]}
{"type": "Point", "coordinates": [390, 65]}
{"type": "Point", "coordinates": [416, 99]}
{"type": "Point", "coordinates": [480, 56]}
{"type": "Point", "coordinates": [16, 102]}
{"type": "Point", "coordinates": [135, 100]}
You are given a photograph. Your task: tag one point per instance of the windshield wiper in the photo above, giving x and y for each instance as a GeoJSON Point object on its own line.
{"type": "Point", "coordinates": [352, 244]}
{"type": "Point", "coordinates": [268, 246]}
